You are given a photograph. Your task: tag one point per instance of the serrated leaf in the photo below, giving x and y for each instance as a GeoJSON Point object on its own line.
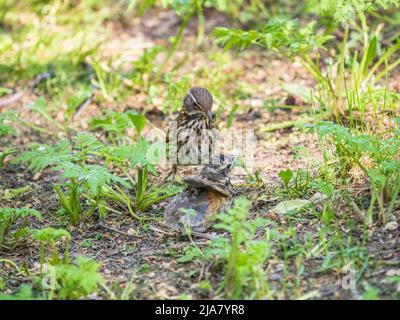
{"type": "Point", "coordinates": [139, 152]}
{"type": "Point", "coordinates": [47, 234]}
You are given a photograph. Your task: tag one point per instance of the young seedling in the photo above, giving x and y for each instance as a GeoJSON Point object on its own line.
{"type": "Point", "coordinates": [79, 178]}
{"type": "Point", "coordinates": [242, 255]}
{"type": "Point", "coordinates": [5, 128]}
{"type": "Point", "coordinates": [9, 217]}
{"type": "Point", "coordinates": [24, 293]}
{"type": "Point", "coordinates": [143, 156]}
{"type": "Point", "coordinates": [71, 202]}
{"type": "Point", "coordinates": [4, 154]}
{"type": "Point", "coordinates": [244, 269]}
{"type": "Point", "coordinates": [76, 281]}
{"type": "Point", "coordinates": [286, 176]}
{"type": "Point", "coordinates": [352, 148]}
{"type": "Point", "coordinates": [50, 237]}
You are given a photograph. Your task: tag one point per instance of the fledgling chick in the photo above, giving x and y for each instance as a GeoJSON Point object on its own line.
{"type": "Point", "coordinates": [207, 194]}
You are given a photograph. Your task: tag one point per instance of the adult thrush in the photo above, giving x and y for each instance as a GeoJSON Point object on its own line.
{"type": "Point", "coordinates": [191, 137]}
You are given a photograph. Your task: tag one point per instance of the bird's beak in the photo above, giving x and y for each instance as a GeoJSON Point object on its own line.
{"type": "Point", "coordinates": [209, 115]}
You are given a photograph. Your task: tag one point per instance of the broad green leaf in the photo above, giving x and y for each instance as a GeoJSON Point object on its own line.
{"type": "Point", "coordinates": [286, 176]}
{"type": "Point", "coordinates": [138, 120]}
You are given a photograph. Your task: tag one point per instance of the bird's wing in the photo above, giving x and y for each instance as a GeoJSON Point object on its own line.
{"type": "Point", "coordinates": [200, 182]}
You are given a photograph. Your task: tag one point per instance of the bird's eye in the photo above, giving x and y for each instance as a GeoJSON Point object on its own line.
{"type": "Point", "coordinates": [213, 116]}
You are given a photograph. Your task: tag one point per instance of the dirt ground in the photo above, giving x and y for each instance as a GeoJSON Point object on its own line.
{"type": "Point", "coordinates": [149, 254]}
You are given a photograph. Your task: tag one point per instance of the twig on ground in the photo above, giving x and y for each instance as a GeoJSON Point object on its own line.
{"type": "Point", "coordinates": [161, 231]}
{"type": "Point", "coordinates": [101, 225]}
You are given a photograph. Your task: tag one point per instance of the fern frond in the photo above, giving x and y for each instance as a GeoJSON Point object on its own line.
{"type": "Point", "coordinates": [95, 176]}
{"type": "Point", "coordinates": [284, 35]}
{"type": "Point", "coordinates": [42, 156]}
{"type": "Point", "coordinates": [8, 214]}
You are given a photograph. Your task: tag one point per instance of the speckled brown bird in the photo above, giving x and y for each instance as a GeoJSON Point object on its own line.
{"type": "Point", "coordinates": [191, 137]}
{"type": "Point", "coordinates": [206, 194]}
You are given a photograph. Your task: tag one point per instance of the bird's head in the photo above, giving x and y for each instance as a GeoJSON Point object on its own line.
{"type": "Point", "coordinates": [199, 101]}
{"type": "Point", "coordinates": [215, 175]}
{"type": "Point", "coordinates": [221, 165]}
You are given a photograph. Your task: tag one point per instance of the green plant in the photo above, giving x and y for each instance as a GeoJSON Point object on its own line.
{"type": "Point", "coordinates": [40, 107]}
{"type": "Point", "coordinates": [109, 81]}
{"type": "Point", "coordinates": [121, 291]}
{"type": "Point", "coordinates": [95, 182]}
{"type": "Point", "coordinates": [114, 124]}
{"type": "Point", "coordinates": [278, 34]}
{"type": "Point", "coordinates": [74, 102]}
{"type": "Point", "coordinates": [9, 119]}
{"type": "Point", "coordinates": [343, 252]}
{"type": "Point", "coordinates": [252, 178]}
{"type": "Point", "coordinates": [76, 281]}
{"type": "Point", "coordinates": [5, 128]}
{"type": "Point", "coordinates": [242, 255]}
{"type": "Point", "coordinates": [351, 85]}
{"type": "Point", "coordinates": [338, 91]}
{"type": "Point", "coordinates": [13, 224]}
{"type": "Point", "coordinates": [244, 269]}
{"type": "Point", "coordinates": [24, 293]}
{"type": "Point", "coordinates": [176, 88]}
{"type": "Point", "coordinates": [90, 179]}
{"type": "Point", "coordinates": [296, 183]}
{"type": "Point", "coordinates": [82, 30]}
{"type": "Point", "coordinates": [41, 156]}
{"type": "Point", "coordinates": [71, 202]}
{"type": "Point", "coordinates": [375, 156]}
{"type": "Point", "coordinates": [370, 292]}
{"type": "Point", "coordinates": [143, 156]}
{"type": "Point", "coordinates": [6, 153]}
{"type": "Point", "coordinates": [50, 237]}
{"type": "Point", "coordinates": [354, 13]}
{"type": "Point", "coordinates": [244, 274]}
{"type": "Point", "coordinates": [80, 179]}
{"type": "Point", "coordinates": [286, 176]}
{"type": "Point", "coordinates": [144, 67]}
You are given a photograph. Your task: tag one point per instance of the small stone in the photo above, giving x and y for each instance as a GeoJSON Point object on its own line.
{"type": "Point", "coordinates": [392, 226]}
{"type": "Point", "coordinates": [256, 103]}
{"type": "Point", "coordinates": [392, 272]}
{"type": "Point", "coordinates": [318, 198]}
{"type": "Point", "coordinates": [37, 176]}
{"type": "Point", "coordinates": [131, 231]}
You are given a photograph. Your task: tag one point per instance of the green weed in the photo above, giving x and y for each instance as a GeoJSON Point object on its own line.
{"type": "Point", "coordinates": [376, 157]}
{"type": "Point", "coordinates": [79, 177]}
{"type": "Point", "coordinates": [24, 293]}
{"type": "Point", "coordinates": [76, 281]}
{"type": "Point", "coordinates": [49, 237]}
{"type": "Point", "coordinates": [242, 255]}
{"type": "Point", "coordinates": [14, 224]}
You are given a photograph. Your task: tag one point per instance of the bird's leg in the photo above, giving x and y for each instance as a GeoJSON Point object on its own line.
{"type": "Point", "coordinates": [171, 174]}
